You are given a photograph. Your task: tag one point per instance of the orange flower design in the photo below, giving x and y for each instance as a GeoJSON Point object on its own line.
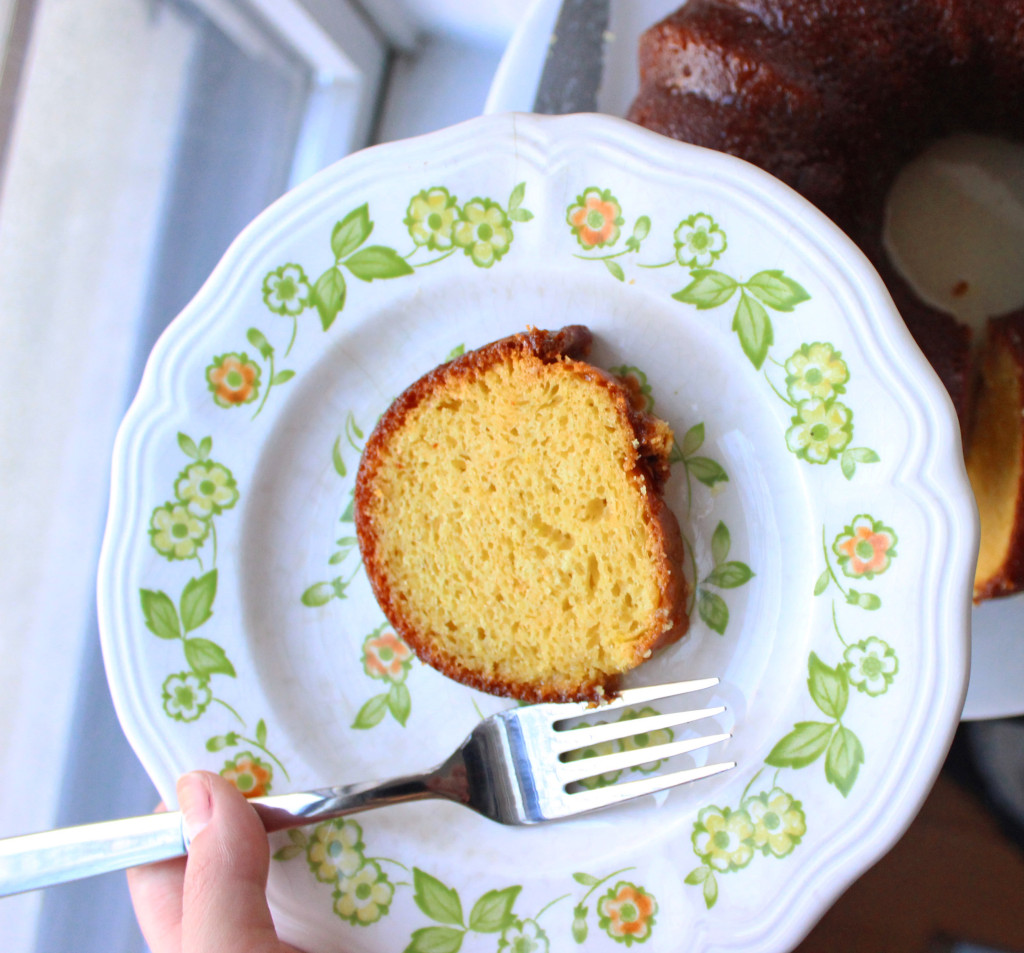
{"type": "Point", "coordinates": [233, 379]}
{"type": "Point", "coordinates": [627, 913]}
{"type": "Point", "coordinates": [596, 218]}
{"type": "Point", "coordinates": [386, 656]}
{"type": "Point", "coordinates": [865, 547]}
{"type": "Point", "coordinates": [249, 774]}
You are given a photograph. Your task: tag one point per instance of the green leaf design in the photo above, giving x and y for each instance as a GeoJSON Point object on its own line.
{"type": "Point", "coordinates": [289, 852]}
{"type": "Point", "coordinates": [587, 880]}
{"type": "Point", "coordinates": [349, 516]}
{"type": "Point", "coordinates": [377, 261]}
{"type": "Point", "coordinates": [351, 232]}
{"type": "Point", "coordinates": [710, 891]}
{"type": "Point", "coordinates": [693, 440]}
{"type": "Point", "coordinates": [188, 446]}
{"type": "Point", "coordinates": [708, 289]}
{"type": "Point", "coordinates": [207, 658]}
{"type": "Point", "coordinates": [698, 875]}
{"type": "Point", "coordinates": [615, 268]}
{"type": "Point", "coordinates": [822, 584]}
{"type": "Point", "coordinates": [713, 610]}
{"type": "Point", "coordinates": [730, 575]}
{"type": "Point", "coordinates": [339, 587]}
{"type": "Point", "coordinates": [520, 215]}
{"type": "Point", "coordinates": [776, 290]}
{"type": "Point", "coordinates": [642, 228]}
{"type": "Point", "coordinates": [754, 327]}
{"type": "Point", "coordinates": [372, 713]}
{"type": "Point", "coordinates": [329, 295]}
{"type": "Point", "coordinates": [259, 341]}
{"type": "Point", "coordinates": [205, 446]}
{"type": "Point", "coordinates": [843, 761]}
{"type": "Point", "coordinates": [493, 911]}
{"type": "Point", "coordinates": [197, 600]}
{"type": "Point", "coordinates": [706, 470]}
{"type": "Point", "coordinates": [339, 464]}
{"type": "Point", "coordinates": [399, 702]}
{"type": "Point", "coordinates": [517, 196]}
{"type": "Point", "coordinates": [435, 940]}
{"type": "Point", "coordinates": [320, 593]}
{"type": "Point", "coordinates": [282, 377]}
{"type": "Point", "coordinates": [437, 901]}
{"type": "Point", "coordinates": [829, 687]}
{"type": "Point", "coordinates": [848, 465]}
{"type": "Point", "coordinates": [721, 542]}
{"type": "Point", "coordinates": [160, 614]}
{"type": "Point", "coordinates": [850, 458]}
{"type": "Point", "coordinates": [261, 733]}
{"type": "Point", "coordinates": [806, 742]}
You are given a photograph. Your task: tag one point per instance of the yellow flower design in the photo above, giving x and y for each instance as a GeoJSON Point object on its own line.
{"type": "Point", "coordinates": [483, 231]}
{"type": "Point", "coordinates": [815, 370]}
{"type": "Point", "coordinates": [593, 751]}
{"type": "Point", "coordinates": [175, 532]}
{"type": "Point", "coordinates": [335, 850]}
{"type": "Point", "coordinates": [723, 838]}
{"type": "Point", "coordinates": [646, 739]}
{"type": "Point", "coordinates": [431, 217]}
{"type": "Point", "coordinates": [364, 897]}
{"type": "Point", "coordinates": [778, 820]}
{"type": "Point", "coordinates": [206, 488]}
{"type": "Point", "coordinates": [820, 431]}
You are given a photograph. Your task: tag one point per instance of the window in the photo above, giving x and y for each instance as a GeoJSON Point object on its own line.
{"type": "Point", "coordinates": [137, 138]}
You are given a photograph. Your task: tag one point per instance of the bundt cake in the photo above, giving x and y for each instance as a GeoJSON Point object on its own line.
{"type": "Point", "coordinates": [833, 98]}
{"type": "Point", "coordinates": [995, 458]}
{"type": "Point", "coordinates": [510, 516]}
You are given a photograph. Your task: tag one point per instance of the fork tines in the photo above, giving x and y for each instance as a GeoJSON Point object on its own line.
{"type": "Point", "coordinates": [632, 696]}
{"type": "Point", "coordinates": [569, 739]}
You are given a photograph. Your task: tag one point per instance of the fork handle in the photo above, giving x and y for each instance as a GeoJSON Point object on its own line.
{"type": "Point", "coordinates": [39, 860]}
{"type": "Point", "coordinates": [52, 857]}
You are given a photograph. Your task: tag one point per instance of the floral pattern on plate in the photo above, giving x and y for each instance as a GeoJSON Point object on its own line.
{"type": "Point", "coordinates": [233, 604]}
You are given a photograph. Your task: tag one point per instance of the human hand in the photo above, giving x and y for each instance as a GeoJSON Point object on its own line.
{"type": "Point", "coordinates": [213, 901]}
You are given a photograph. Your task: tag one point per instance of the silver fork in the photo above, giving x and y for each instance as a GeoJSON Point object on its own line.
{"type": "Point", "coordinates": [516, 767]}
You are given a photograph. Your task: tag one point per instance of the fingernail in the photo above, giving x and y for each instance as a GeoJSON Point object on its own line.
{"type": "Point", "coordinates": [196, 804]}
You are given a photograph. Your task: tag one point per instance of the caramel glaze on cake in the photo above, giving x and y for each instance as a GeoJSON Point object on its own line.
{"type": "Point", "coordinates": [834, 97]}
{"type": "Point", "coordinates": [509, 512]}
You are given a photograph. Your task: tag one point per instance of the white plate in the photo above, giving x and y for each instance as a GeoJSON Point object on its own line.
{"type": "Point", "coordinates": [240, 634]}
{"type": "Point", "coordinates": [997, 655]}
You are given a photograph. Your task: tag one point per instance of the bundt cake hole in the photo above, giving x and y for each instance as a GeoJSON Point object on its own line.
{"type": "Point", "coordinates": [954, 226]}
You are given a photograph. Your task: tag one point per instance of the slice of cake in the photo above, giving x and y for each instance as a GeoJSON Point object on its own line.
{"type": "Point", "coordinates": [510, 518]}
{"type": "Point", "coordinates": [995, 459]}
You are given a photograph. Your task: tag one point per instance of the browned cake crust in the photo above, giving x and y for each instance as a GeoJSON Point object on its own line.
{"type": "Point", "coordinates": [995, 459]}
{"type": "Point", "coordinates": [652, 441]}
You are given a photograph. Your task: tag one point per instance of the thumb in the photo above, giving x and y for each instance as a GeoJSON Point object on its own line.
{"type": "Point", "coordinates": [224, 906]}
